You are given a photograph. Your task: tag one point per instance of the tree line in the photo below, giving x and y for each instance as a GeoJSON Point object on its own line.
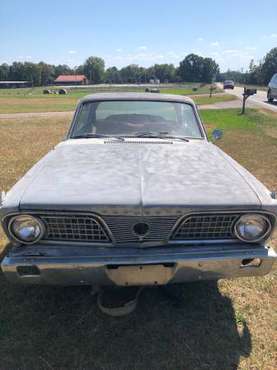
{"type": "Point", "coordinates": [257, 74]}
{"type": "Point", "coordinates": [193, 68]}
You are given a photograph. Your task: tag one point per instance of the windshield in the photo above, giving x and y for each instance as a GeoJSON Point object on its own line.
{"type": "Point", "coordinates": [135, 118]}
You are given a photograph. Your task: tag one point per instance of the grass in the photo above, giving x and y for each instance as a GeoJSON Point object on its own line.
{"type": "Point", "coordinates": [190, 91]}
{"type": "Point", "coordinates": [33, 99]}
{"type": "Point", "coordinates": [205, 100]}
{"type": "Point", "coordinates": [230, 119]}
{"type": "Point", "coordinates": [228, 325]}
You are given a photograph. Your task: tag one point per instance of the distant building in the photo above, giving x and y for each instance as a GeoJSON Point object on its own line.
{"type": "Point", "coordinates": [71, 80]}
{"type": "Point", "coordinates": [14, 84]}
{"type": "Point", "coordinates": [154, 81]}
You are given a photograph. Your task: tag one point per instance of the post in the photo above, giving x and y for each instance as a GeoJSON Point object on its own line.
{"type": "Point", "coordinates": [246, 94]}
{"type": "Point", "coordinates": [212, 88]}
{"type": "Point", "coordinates": [244, 97]}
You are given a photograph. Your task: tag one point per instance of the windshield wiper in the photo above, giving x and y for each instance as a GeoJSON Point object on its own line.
{"type": "Point", "coordinates": [161, 135]}
{"type": "Point", "coordinates": [90, 135]}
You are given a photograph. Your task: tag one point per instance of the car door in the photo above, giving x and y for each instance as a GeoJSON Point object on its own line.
{"type": "Point", "coordinates": [273, 86]}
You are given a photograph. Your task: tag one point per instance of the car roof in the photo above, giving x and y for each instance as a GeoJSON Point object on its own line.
{"type": "Point", "coordinates": [136, 96]}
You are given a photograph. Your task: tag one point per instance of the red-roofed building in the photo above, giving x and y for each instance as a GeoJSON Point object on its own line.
{"type": "Point", "coordinates": [71, 80]}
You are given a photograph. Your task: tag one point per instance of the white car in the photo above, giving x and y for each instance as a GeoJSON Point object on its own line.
{"type": "Point", "coordinates": [137, 195]}
{"type": "Point", "coordinates": [272, 89]}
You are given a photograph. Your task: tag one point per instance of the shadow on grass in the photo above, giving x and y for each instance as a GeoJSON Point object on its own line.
{"type": "Point", "coordinates": [54, 328]}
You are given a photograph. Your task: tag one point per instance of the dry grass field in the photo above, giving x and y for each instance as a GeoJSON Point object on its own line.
{"type": "Point", "coordinates": [227, 325]}
{"type": "Point", "coordinates": [33, 100]}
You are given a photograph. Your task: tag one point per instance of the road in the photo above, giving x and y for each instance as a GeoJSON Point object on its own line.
{"type": "Point", "coordinates": [258, 100]}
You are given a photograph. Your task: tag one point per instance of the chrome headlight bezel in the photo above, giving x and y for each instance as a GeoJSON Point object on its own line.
{"type": "Point", "coordinates": [264, 236]}
{"type": "Point", "coordinates": [35, 221]}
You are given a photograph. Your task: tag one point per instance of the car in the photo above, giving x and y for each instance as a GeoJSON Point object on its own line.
{"type": "Point", "coordinates": [272, 89]}
{"type": "Point", "coordinates": [137, 195]}
{"type": "Point", "coordinates": [228, 84]}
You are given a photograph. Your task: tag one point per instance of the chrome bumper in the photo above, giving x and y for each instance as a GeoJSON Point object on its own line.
{"type": "Point", "coordinates": [83, 265]}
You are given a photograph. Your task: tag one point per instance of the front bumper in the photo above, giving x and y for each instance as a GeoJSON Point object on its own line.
{"type": "Point", "coordinates": [83, 265]}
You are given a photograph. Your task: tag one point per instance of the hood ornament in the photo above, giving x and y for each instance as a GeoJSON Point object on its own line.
{"type": "Point", "coordinates": [141, 229]}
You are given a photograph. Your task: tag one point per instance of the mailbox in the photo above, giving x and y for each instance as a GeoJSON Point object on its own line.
{"type": "Point", "coordinates": [246, 93]}
{"type": "Point", "coordinates": [249, 92]}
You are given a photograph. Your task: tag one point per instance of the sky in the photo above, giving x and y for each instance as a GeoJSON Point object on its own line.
{"type": "Point", "coordinates": [141, 32]}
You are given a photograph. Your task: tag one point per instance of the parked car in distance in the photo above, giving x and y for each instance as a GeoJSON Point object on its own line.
{"type": "Point", "coordinates": [272, 89]}
{"type": "Point", "coordinates": [228, 84]}
{"type": "Point", "coordinates": [137, 195]}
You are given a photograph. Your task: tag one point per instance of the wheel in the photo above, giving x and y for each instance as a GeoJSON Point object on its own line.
{"type": "Point", "coordinates": [269, 97]}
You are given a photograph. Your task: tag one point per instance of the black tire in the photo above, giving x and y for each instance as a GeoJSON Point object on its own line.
{"type": "Point", "coordinates": [269, 97]}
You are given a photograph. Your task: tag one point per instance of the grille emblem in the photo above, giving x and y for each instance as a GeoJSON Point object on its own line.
{"type": "Point", "coordinates": [141, 229]}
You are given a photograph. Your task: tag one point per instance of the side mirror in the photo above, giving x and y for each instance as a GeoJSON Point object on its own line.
{"type": "Point", "coordinates": [217, 134]}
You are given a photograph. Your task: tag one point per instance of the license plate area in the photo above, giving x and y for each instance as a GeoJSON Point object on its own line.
{"type": "Point", "coordinates": [155, 274]}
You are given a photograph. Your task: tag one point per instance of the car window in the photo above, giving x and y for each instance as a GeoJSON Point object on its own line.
{"type": "Point", "coordinates": [132, 118]}
{"type": "Point", "coordinates": [273, 79]}
{"type": "Point", "coordinates": [163, 109]}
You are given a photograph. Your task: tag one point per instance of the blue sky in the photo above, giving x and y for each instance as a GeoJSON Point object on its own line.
{"type": "Point", "coordinates": [142, 32]}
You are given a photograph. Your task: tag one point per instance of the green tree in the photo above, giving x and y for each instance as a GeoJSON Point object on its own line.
{"type": "Point", "coordinates": [195, 68]}
{"type": "Point", "coordinates": [4, 72]}
{"type": "Point", "coordinates": [32, 73]}
{"type": "Point", "coordinates": [62, 69]}
{"type": "Point", "coordinates": [254, 75]}
{"type": "Point", "coordinates": [131, 74]}
{"type": "Point", "coordinates": [47, 73]}
{"type": "Point", "coordinates": [165, 72]}
{"type": "Point", "coordinates": [16, 71]}
{"type": "Point", "coordinates": [210, 70]}
{"type": "Point", "coordinates": [79, 70]}
{"type": "Point", "coordinates": [94, 69]}
{"type": "Point", "coordinates": [269, 67]}
{"type": "Point", "coordinates": [191, 68]}
{"type": "Point", "coordinates": [112, 75]}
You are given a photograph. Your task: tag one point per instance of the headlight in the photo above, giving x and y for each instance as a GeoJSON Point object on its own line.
{"type": "Point", "coordinates": [26, 229]}
{"type": "Point", "coordinates": [252, 227]}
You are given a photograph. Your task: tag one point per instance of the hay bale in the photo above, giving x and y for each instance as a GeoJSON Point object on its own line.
{"type": "Point", "coordinates": [62, 92]}
{"type": "Point", "coordinates": [152, 90]}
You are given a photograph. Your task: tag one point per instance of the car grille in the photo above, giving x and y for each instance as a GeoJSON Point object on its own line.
{"type": "Point", "coordinates": [205, 227]}
{"type": "Point", "coordinates": [120, 229]}
{"type": "Point", "coordinates": [74, 228]}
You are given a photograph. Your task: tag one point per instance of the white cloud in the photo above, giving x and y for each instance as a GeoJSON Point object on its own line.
{"type": "Point", "coordinates": [140, 57]}
{"type": "Point", "coordinates": [200, 39]}
{"type": "Point", "coordinates": [250, 48]}
{"type": "Point", "coordinates": [119, 50]}
{"type": "Point", "coordinates": [215, 43]}
{"type": "Point", "coordinates": [72, 52]}
{"type": "Point", "coordinates": [231, 51]}
{"type": "Point", "coordinates": [273, 35]}
{"type": "Point", "coordinates": [142, 47]}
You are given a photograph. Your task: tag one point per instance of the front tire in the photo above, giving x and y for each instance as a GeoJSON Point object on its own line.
{"type": "Point", "coordinates": [269, 97]}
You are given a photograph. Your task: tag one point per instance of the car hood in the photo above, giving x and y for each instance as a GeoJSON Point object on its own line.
{"type": "Point", "coordinates": [138, 178]}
